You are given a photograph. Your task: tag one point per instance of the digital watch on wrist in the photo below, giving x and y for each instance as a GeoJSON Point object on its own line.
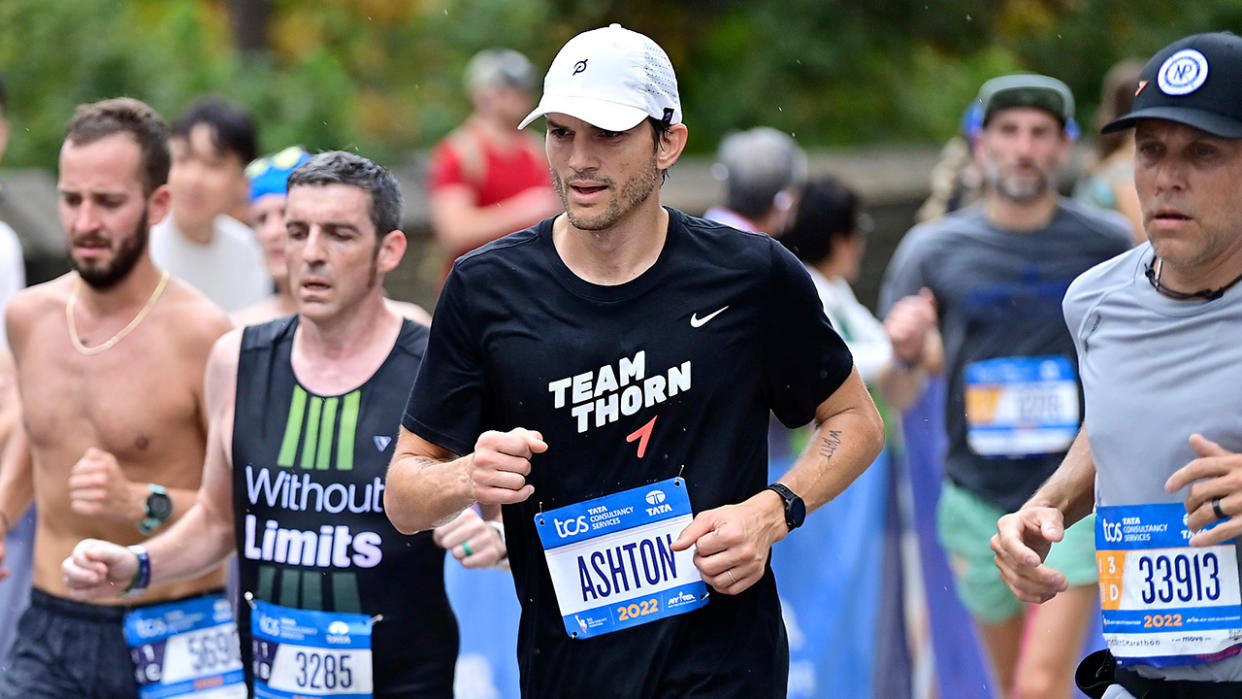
{"type": "Point", "coordinates": [157, 509]}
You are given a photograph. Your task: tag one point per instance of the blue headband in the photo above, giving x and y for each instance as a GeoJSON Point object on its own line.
{"type": "Point", "coordinates": [270, 174]}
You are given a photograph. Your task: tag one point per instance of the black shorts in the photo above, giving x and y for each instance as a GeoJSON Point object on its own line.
{"type": "Point", "coordinates": [68, 649]}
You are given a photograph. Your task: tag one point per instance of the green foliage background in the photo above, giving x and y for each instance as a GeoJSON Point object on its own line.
{"type": "Point", "coordinates": [383, 76]}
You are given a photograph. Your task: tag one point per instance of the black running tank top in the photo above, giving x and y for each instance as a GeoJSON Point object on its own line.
{"type": "Point", "coordinates": [311, 533]}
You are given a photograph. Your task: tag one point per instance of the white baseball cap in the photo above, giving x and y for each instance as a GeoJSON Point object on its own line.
{"type": "Point", "coordinates": [611, 78]}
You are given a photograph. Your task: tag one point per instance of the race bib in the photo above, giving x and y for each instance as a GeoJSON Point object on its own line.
{"type": "Point", "coordinates": [612, 562]}
{"type": "Point", "coordinates": [302, 654]}
{"type": "Point", "coordinates": [1021, 406]}
{"type": "Point", "coordinates": [1165, 602]}
{"type": "Point", "coordinates": [186, 647]}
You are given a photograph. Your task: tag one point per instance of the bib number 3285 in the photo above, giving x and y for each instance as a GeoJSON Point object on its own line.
{"type": "Point", "coordinates": [301, 653]}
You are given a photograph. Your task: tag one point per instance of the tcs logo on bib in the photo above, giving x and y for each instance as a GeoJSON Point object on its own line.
{"type": "Point", "coordinates": [570, 527]}
{"type": "Point", "coordinates": [1112, 530]}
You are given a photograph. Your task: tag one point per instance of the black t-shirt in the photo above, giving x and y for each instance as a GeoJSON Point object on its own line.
{"type": "Point", "coordinates": [309, 471]}
{"type": "Point", "coordinates": [672, 372]}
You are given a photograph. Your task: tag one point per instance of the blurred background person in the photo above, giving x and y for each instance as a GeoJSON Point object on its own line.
{"type": "Point", "coordinates": [12, 264]}
{"type": "Point", "coordinates": [487, 179]}
{"type": "Point", "coordinates": [838, 603]}
{"type": "Point", "coordinates": [16, 538]}
{"type": "Point", "coordinates": [955, 180]}
{"type": "Point", "coordinates": [829, 235]}
{"type": "Point", "coordinates": [200, 242]}
{"type": "Point", "coordinates": [269, 190]}
{"type": "Point", "coordinates": [762, 169]}
{"type": "Point", "coordinates": [975, 296]}
{"type": "Point", "coordinates": [1108, 182]}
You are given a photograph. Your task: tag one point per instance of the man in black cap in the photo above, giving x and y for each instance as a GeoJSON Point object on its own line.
{"type": "Point", "coordinates": [982, 288]}
{"type": "Point", "coordinates": [1157, 456]}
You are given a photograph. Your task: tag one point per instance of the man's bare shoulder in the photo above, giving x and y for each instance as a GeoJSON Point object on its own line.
{"type": "Point", "coordinates": [39, 302]}
{"type": "Point", "coordinates": [412, 311]}
{"type": "Point", "coordinates": [221, 374]}
{"type": "Point", "coordinates": [226, 350]}
{"type": "Point", "coordinates": [198, 322]}
{"type": "Point", "coordinates": [268, 309]}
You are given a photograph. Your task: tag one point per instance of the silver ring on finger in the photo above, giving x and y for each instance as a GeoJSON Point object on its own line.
{"type": "Point", "coordinates": [732, 579]}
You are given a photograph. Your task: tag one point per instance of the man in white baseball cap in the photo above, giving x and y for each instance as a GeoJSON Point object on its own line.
{"type": "Point", "coordinates": [607, 377]}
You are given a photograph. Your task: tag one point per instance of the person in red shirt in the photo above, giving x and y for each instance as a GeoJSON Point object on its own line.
{"type": "Point", "coordinates": [487, 179]}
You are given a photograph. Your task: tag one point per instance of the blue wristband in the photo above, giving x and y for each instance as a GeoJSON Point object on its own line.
{"type": "Point", "coordinates": [142, 577]}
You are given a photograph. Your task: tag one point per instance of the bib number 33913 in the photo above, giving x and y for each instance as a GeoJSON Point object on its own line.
{"type": "Point", "coordinates": [1164, 602]}
{"type": "Point", "coordinates": [301, 653]}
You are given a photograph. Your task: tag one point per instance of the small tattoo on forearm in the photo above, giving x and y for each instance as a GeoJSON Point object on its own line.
{"type": "Point", "coordinates": [829, 444]}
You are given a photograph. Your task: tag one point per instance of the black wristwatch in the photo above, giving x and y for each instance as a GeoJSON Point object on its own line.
{"type": "Point", "coordinates": [795, 509]}
{"type": "Point", "coordinates": [158, 508]}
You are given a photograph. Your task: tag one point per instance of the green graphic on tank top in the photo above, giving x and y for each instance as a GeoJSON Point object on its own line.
{"type": "Point", "coordinates": [304, 589]}
{"type": "Point", "coordinates": [315, 426]}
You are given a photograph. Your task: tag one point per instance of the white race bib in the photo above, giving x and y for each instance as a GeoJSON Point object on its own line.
{"type": "Point", "coordinates": [1021, 406]}
{"type": "Point", "coordinates": [1165, 602]}
{"type": "Point", "coordinates": [612, 562]}
{"type": "Point", "coordinates": [186, 648]}
{"type": "Point", "coordinates": [303, 654]}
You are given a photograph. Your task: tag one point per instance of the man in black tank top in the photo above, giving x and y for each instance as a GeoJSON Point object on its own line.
{"type": "Point", "coordinates": [304, 411]}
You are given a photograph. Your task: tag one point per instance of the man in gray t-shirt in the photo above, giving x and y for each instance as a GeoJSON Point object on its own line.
{"type": "Point", "coordinates": [978, 293]}
{"type": "Point", "coordinates": [1157, 332]}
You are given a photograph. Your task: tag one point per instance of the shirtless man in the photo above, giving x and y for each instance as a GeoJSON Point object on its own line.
{"type": "Point", "coordinates": [110, 361]}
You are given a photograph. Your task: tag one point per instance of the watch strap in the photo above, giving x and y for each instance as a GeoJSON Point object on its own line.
{"type": "Point", "coordinates": [142, 576]}
{"type": "Point", "coordinates": [789, 498]}
{"type": "Point", "coordinates": [150, 522]}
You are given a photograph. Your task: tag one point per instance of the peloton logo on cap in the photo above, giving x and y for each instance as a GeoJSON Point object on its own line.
{"type": "Point", "coordinates": [579, 67]}
{"type": "Point", "coordinates": [1183, 73]}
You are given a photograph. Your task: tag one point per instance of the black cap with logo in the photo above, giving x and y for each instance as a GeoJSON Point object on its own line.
{"type": "Point", "coordinates": [1196, 81]}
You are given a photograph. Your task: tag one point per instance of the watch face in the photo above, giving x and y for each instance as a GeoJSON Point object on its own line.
{"type": "Point", "coordinates": [797, 512]}
{"type": "Point", "coordinates": [159, 506]}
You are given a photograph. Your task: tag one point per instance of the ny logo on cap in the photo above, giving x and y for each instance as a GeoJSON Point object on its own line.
{"type": "Point", "coordinates": [1182, 73]}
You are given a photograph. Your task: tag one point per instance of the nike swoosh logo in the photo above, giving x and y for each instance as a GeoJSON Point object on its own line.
{"type": "Point", "coordinates": [697, 322]}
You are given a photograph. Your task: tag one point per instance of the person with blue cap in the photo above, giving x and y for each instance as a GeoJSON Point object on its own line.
{"type": "Point", "coordinates": [269, 178]}
{"type": "Point", "coordinates": [1159, 455]}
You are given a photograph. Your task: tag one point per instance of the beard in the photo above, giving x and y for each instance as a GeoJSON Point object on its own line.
{"type": "Point", "coordinates": [128, 252]}
{"type": "Point", "coordinates": [626, 199]}
{"type": "Point", "coordinates": [1017, 189]}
